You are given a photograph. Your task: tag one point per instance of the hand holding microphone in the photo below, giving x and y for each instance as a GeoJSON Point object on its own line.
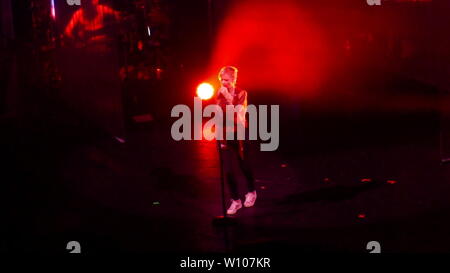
{"type": "Point", "coordinates": [226, 94]}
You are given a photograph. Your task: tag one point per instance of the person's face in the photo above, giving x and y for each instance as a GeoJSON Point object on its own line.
{"type": "Point", "coordinates": [227, 80]}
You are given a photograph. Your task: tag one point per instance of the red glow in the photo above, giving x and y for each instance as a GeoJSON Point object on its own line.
{"type": "Point", "coordinates": [89, 21]}
{"type": "Point", "coordinates": [366, 180]}
{"type": "Point", "coordinates": [361, 216]}
{"type": "Point", "coordinates": [275, 45]}
{"type": "Point", "coordinates": [391, 182]}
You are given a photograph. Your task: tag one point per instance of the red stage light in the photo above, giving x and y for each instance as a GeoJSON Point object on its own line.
{"type": "Point", "coordinates": [276, 45]}
{"type": "Point", "coordinates": [205, 91]}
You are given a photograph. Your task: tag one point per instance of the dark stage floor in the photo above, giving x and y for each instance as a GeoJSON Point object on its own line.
{"type": "Point", "coordinates": [65, 181]}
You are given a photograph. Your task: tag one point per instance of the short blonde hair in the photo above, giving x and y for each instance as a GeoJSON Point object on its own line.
{"type": "Point", "coordinates": [230, 70]}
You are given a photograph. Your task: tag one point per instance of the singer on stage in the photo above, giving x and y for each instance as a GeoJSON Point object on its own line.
{"type": "Point", "coordinates": [235, 150]}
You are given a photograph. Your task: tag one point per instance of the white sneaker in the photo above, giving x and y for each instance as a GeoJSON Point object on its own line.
{"type": "Point", "coordinates": [235, 205]}
{"type": "Point", "coordinates": [250, 199]}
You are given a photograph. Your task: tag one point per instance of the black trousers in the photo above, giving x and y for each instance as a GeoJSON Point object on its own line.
{"type": "Point", "coordinates": [235, 153]}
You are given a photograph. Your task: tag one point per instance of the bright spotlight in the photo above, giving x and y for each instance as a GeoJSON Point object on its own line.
{"type": "Point", "coordinates": [205, 91]}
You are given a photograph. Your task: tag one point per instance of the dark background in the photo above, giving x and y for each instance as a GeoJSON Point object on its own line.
{"type": "Point", "coordinates": [383, 117]}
